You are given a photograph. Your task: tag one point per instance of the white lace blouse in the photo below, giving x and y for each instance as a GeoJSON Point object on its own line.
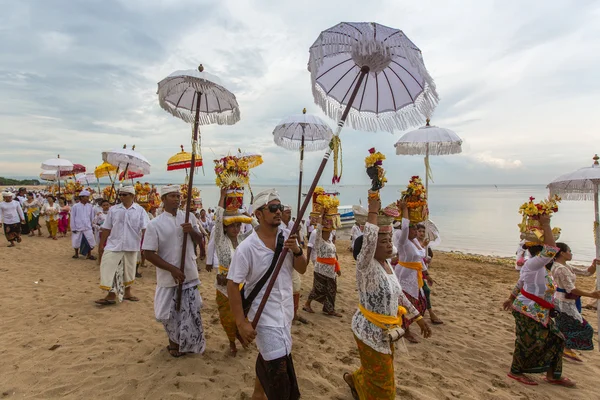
{"type": "Point", "coordinates": [224, 247]}
{"type": "Point", "coordinates": [324, 249]}
{"type": "Point", "coordinates": [378, 292]}
{"type": "Point", "coordinates": [408, 251]}
{"type": "Point", "coordinates": [564, 277]}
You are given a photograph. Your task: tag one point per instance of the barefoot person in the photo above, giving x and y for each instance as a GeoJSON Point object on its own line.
{"type": "Point", "coordinates": [227, 237]}
{"type": "Point", "coordinates": [120, 241]}
{"type": "Point", "coordinates": [82, 217]}
{"type": "Point", "coordinates": [327, 269]}
{"type": "Point", "coordinates": [275, 375]}
{"type": "Point", "coordinates": [50, 211]}
{"type": "Point", "coordinates": [539, 344]}
{"type": "Point", "coordinates": [409, 269]}
{"type": "Point", "coordinates": [427, 279]}
{"type": "Point", "coordinates": [579, 335]}
{"type": "Point", "coordinates": [162, 245]}
{"type": "Point", "coordinates": [377, 323]}
{"type": "Point", "coordinates": [11, 218]}
{"type": "Point", "coordinates": [31, 209]}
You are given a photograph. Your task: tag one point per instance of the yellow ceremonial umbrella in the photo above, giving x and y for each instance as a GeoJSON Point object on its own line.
{"type": "Point", "coordinates": [104, 170]}
{"type": "Point", "coordinates": [182, 160]}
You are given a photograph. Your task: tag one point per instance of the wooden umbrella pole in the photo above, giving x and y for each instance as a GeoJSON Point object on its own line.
{"type": "Point", "coordinates": [112, 184]}
{"type": "Point", "coordinates": [188, 201]}
{"type": "Point", "coordinates": [363, 72]}
{"type": "Point", "coordinates": [301, 172]}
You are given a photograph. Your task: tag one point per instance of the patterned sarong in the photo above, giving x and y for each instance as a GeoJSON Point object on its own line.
{"type": "Point", "coordinates": [185, 327]}
{"type": "Point", "coordinates": [52, 227]}
{"type": "Point", "coordinates": [420, 304]}
{"type": "Point", "coordinates": [12, 231]}
{"type": "Point", "coordinates": [324, 291]}
{"type": "Point", "coordinates": [226, 316]}
{"type": "Point", "coordinates": [537, 348]}
{"type": "Point", "coordinates": [374, 380]}
{"type": "Point", "coordinates": [578, 336]}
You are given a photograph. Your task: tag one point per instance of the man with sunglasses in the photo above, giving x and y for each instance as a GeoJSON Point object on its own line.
{"type": "Point", "coordinates": [82, 217]}
{"type": "Point", "coordinates": [276, 378]}
{"type": "Point", "coordinates": [120, 241]}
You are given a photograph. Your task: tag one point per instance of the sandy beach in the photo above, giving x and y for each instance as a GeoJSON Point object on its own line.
{"type": "Point", "coordinates": [58, 344]}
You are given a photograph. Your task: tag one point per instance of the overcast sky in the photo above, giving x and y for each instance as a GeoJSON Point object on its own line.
{"type": "Point", "coordinates": [518, 81]}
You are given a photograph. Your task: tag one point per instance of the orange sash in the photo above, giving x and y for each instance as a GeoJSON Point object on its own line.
{"type": "Point", "coordinates": [417, 266]}
{"type": "Point", "coordinates": [330, 261]}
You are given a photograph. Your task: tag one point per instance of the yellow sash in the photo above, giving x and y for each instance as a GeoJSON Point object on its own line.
{"type": "Point", "coordinates": [224, 271]}
{"type": "Point", "coordinates": [383, 321]}
{"type": "Point", "coordinates": [417, 266]}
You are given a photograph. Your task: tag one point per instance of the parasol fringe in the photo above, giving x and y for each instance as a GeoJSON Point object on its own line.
{"type": "Point", "coordinates": [435, 148]}
{"type": "Point", "coordinates": [572, 194]}
{"type": "Point", "coordinates": [294, 145]}
{"type": "Point", "coordinates": [410, 115]}
{"type": "Point", "coordinates": [173, 85]}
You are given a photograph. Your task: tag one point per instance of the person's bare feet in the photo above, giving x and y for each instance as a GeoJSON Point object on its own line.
{"type": "Point", "coordinates": [308, 308]}
{"type": "Point", "coordinates": [410, 337]}
{"type": "Point", "coordinates": [434, 318]}
{"type": "Point", "coordinates": [350, 382]}
{"type": "Point", "coordinates": [232, 349]}
{"type": "Point", "coordinates": [333, 314]}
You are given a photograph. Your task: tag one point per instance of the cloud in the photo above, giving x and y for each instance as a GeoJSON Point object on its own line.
{"type": "Point", "coordinates": [497, 162]}
{"type": "Point", "coordinates": [78, 77]}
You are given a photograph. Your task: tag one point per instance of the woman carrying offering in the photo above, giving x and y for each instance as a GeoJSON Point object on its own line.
{"type": "Point", "coordinates": [576, 330]}
{"type": "Point", "coordinates": [50, 212]}
{"type": "Point", "coordinates": [63, 221]}
{"type": "Point", "coordinates": [378, 322]}
{"type": "Point", "coordinates": [227, 236]}
{"type": "Point", "coordinates": [327, 269]}
{"type": "Point", "coordinates": [31, 208]}
{"type": "Point", "coordinates": [539, 345]}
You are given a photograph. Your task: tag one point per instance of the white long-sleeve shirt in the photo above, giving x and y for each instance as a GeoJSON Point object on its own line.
{"type": "Point", "coordinates": [82, 216]}
{"type": "Point", "coordinates": [11, 212]}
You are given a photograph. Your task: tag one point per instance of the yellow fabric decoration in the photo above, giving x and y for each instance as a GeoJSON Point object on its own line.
{"type": "Point", "coordinates": [336, 146]}
{"type": "Point", "coordinates": [224, 271]}
{"type": "Point", "coordinates": [417, 266]}
{"type": "Point", "coordinates": [383, 321]}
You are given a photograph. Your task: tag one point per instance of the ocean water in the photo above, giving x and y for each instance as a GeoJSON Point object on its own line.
{"type": "Point", "coordinates": [471, 218]}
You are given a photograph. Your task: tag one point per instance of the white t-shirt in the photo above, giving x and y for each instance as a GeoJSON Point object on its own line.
{"type": "Point", "coordinates": [125, 225]}
{"type": "Point", "coordinates": [250, 262]}
{"type": "Point", "coordinates": [164, 235]}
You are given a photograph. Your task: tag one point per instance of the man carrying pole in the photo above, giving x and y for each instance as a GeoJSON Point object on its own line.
{"type": "Point", "coordinates": [252, 264]}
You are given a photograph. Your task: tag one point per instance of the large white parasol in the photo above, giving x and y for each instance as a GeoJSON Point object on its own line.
{"type": "Point", "coordinates": [58, 165]}
{"type": "Point", "coordinates": [302, 132]}
{"type": "Point", "coordinates": [582, 185]}
{"type": "Point", "coordinates": [374, 77]}
{"type": "Point", "coordinates": [199, 98]}
{"type": "Point", "coordinates": [428, 141]}
{"type": "Point", "coordinates": [127, 160]}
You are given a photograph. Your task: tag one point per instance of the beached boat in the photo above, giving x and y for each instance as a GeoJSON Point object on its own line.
{"type": "Point", "coordinates": [346, 215]}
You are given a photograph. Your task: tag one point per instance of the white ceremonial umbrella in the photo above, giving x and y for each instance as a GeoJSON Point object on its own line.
{"type": "Point", "coordinates": [582, 185]}
{"type": "Point", "coordinates": [373, 77]}
{"type": "Point", "coordinates": [302, 132]}
{"type": "Point", "coordinates": [196, 97]}
{"type": "Point", "coordinates": [57, 164]}
{"type": "Point", "coordinates": [127, 159]}
{"type": "Point", "coordinates": [52, 176]}
{"type": "Point", "coordinates": [429, 140]}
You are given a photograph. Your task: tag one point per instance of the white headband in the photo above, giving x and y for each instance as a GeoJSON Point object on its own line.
{"type": "Point", "coordinates": [169, 189]}
{"type": "Point", "coordinates": [127, 189]}
{"type": "Point", "coordinates": [84, 193]}
{"type": "Point", "coordinates": [264, 198]}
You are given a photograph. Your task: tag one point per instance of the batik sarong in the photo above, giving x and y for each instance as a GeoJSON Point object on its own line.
{"type": "Point", "coordinates": [324, 291]}
{"type": "Point", "coordinates": [184, 327]}
{"type": "Point", "coordinates": [226, 316]}
{"type": "Point", "coordinates": [537, 348]}
{"type": "Point", "coordinates": [374, 380]}
{"type": "Point", "coordinates": [278, 378]}
{"type": "Point", "coordinates": [578, 335]}
{"type": "Point", "coordinates": [12, 231]}
{"type": "Point", "coordinates": [420, 304]}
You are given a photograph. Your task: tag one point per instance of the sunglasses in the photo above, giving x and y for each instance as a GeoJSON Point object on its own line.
{"type": "Point", "coordinates": [273, 208]}
{"type": "Point", "coordinates": [123, 194]}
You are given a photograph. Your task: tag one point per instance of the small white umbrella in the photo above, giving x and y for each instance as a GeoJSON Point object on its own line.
{"type": "Point", "coordinates": [303, 132]}
{"type": "Point", "coordinates": [52, 176]}
{"type": "Point", "coordinates": [373, 77]}
{"type": "Point", "coordinates": [429, 140]}
{"type": "Point", "coordinates": [199, 98]}
{"type": "Point", "coordinates": [57, 164]}
{"type": "Point", "coordinates": [582, 185]}
{"type": "Point", "coordinates": [127, 160]}
{"type": "Point", "coordinates": [86, 177]}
